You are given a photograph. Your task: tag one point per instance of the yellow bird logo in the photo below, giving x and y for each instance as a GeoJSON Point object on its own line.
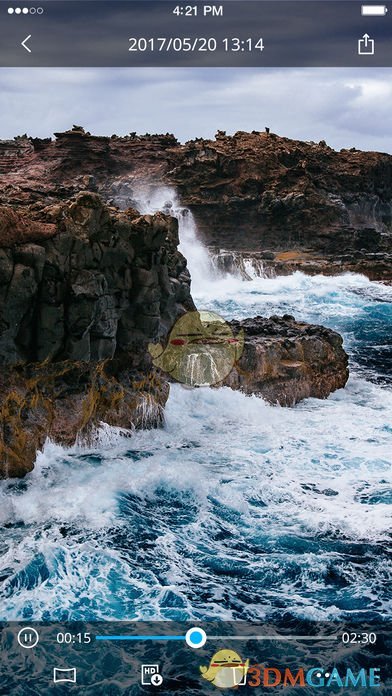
{"type": "Point", "coordinates": [226, 669]}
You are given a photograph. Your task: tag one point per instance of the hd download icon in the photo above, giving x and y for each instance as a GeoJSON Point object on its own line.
{"type": "Point", "coordinates": [150, 675]}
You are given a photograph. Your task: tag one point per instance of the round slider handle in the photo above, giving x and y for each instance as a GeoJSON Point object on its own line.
{"type": "Point", "coordinates": [195, 637]}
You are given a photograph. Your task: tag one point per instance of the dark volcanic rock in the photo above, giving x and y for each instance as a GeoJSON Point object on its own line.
{"type": "Point", "coordinates": [106, 282]}
{"type": "Point", "coordinates": [286, 361]}
{"type": "Point", "coordinates": [78, 306]}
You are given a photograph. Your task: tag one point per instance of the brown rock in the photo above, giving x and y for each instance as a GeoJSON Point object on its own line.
{"type": "Point", "coordinates": [285, 361]}
{"type": "Point", "coordinates": [66, 401]}
{"type": "Point", "coordinates": [16, 229]}
{"type": "Point", "coordinates": [249, 192]}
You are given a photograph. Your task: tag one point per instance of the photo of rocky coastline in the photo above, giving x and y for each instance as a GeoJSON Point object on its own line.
{"type": "Point", "coordinates": [88, 281]}
{"type": "Point", "coordinates": [129, 491]}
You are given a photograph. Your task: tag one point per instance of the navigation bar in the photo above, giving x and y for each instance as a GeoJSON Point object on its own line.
{"type": "Point", "coordinates": [161, 33]}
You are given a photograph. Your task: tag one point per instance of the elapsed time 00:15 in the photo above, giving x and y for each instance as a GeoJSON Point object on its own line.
{"type": "Point", "coordinates": [72, 638]}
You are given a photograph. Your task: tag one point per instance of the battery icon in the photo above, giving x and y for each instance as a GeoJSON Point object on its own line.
{"type": "Point", "coordinates": [374, 10]}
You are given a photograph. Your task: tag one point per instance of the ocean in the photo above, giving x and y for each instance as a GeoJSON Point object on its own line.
{"type": "Point", "coordinates": [235, 509]}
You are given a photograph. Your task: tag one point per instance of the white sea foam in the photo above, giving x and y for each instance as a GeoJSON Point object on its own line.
{"type": "Point", "coordinates": [231, 508]}
{"type": "Point", "coordinates": [267, 472]}
{"type": "Point", "coordinates": [164, 198]}
{"type": "Point", "coordinates": [344, 293]}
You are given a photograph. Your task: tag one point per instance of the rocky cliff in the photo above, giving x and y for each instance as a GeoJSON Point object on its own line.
{"type": "Point", "coordinates": [83, 289]}
{"type": "Point", "coordinates": [249, 192]}
{"type": "Point", "coordinates": [87, 283]}
{"type": "Point", "coordinates": [255, 191]}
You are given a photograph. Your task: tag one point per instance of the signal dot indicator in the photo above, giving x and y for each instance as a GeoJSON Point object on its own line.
{"type": "Point", "coordinates": [25, 10]}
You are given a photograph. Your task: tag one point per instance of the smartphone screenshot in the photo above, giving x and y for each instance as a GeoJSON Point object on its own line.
{"type": "Point", "coordinates": [195, 347]}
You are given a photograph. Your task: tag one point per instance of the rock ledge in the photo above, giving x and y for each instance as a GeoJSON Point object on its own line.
{"type": "Point", "coordinates": [286, 361]}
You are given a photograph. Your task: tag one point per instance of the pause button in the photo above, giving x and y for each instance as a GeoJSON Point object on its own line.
{"type": "Point", "coordinates": [28, 637]}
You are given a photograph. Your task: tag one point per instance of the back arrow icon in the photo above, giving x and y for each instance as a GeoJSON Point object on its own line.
{"type": "Point", "coordinates": [24, 42]}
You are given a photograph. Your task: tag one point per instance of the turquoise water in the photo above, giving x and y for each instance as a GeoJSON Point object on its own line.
{"type": "Point", "coordinates": [235, 509]}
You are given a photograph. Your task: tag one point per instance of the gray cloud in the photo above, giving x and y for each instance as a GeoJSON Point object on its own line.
{"type": "Point", "coordinates": [346, 107]}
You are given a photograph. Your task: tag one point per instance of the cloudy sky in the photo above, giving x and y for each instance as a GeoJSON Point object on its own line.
{"type": "Point", "coordinates": [346, 107]}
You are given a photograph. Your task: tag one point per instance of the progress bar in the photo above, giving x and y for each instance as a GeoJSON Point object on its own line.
{"type": "Point", "coordinates": [315, 638]}
{"type": "Point", "coordinates": [197, 637]}
{"type": "Point", "coordinates": [139, 637]}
